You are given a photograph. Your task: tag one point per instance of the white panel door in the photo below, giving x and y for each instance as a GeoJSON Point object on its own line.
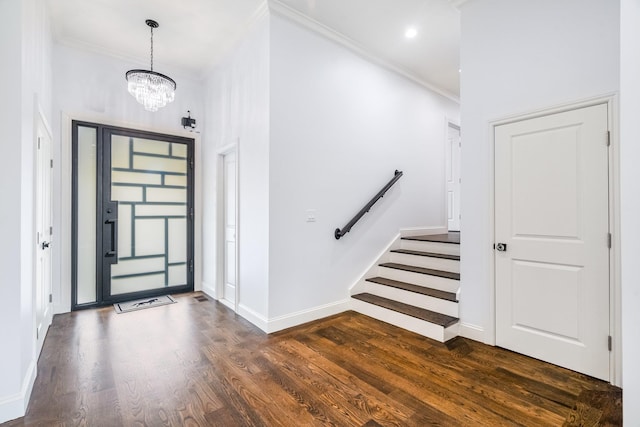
{"type": "Point", "coordinates": [452, 170]}
{"type": "Point", "coordinates": [230, 195]}
{"type": "Point", "coordinates": [552, 212]}
{"type": "Point", "coordinates": [43, 306]}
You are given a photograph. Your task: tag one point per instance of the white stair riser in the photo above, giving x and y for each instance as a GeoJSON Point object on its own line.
{"type": "Point", "coordinates": [426, 262]}
{"type": "Point", "coordinates": [440, 248]}
{"type": "Point", "coordinates": [421, 327]}
{"type": "Point", "coordinates": [438, 305]}
{"type": "Point", "coordinates": [435, 282]}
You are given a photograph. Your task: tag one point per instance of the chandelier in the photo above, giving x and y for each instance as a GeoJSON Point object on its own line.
{"type": "Point", "coordinates": [151, 89]}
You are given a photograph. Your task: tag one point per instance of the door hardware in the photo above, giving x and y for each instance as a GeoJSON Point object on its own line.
{"type": "Point", "coordinates": [501, 247]}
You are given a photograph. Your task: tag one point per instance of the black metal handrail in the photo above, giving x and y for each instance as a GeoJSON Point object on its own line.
{"type": "Point", "coordinates": [339, 233]}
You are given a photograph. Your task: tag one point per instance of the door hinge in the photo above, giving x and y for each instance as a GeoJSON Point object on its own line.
{"type": "Point", "coordinates": [51, 163]}
{"type": "Point", "coordinates": [38, 143]}
{"type": "Point", "coordinates": [609, 239]}
{"type": "Point", "coordinates": [51, 230]}
{"type": "Point", "coordinates": [610, 343]}
{"type": "Point", "coordinates": [608, 138]}
{"type": "Point", "coordinates": [191, 266]}
{"type": "Point", "coordinates": [50, 297]}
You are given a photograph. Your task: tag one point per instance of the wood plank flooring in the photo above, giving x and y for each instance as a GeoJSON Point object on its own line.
{"type": "Point", "coordinates": [196, 363]}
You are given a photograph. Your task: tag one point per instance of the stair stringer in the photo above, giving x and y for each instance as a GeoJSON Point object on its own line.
{"type": "Point", "coordinates": [385, 255]}
{"type": "Point", "coordinates": [371, 271]}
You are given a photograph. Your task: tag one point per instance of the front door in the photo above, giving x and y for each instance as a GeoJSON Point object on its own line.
{"type": "Point", "coordinates": [552, 239]}
{"type": "Point", "coordinates": [138, 186]}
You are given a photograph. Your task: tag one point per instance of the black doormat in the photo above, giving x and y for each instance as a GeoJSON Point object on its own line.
{"type": "Point", "coordinates": [139, 304]}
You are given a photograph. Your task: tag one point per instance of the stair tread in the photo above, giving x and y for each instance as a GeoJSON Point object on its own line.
{"type": "Point", "coordinates": [435, 293]}
{"type": "Point", "coordinates": [450, 237]}
{"type": "Point", "coordinates": [427, 254]}
{"type": "Point", "coordinates": [422, 270]}
{"type": "Point", "coordinates": [410, 310]}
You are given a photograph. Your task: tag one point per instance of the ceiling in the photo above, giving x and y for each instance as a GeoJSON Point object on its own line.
{"type": "Point", "coordinates": [194, 35]}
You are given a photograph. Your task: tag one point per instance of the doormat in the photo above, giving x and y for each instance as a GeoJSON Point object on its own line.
{"type": "Point", "coordinates": [139, 304]}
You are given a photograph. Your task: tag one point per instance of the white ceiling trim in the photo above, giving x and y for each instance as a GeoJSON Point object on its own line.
{"type": "Point", "coordinates": [81, 45]}
{"type": "Point", "coordinates": [459, 3]}
{"type": "Point", "coordinates": [261, 12]}
{"type": "Point", "coordinates": [257, 16]}
{"type": "Point", "coordinates": [285, 11]}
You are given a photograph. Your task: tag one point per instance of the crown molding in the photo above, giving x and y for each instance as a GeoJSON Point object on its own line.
{"type": "Point", "coordinates": [260, 14]}
{"type": "Point", "coordinates": [285, 11]}
{"type": "Point", "coordinates": [459, 3]}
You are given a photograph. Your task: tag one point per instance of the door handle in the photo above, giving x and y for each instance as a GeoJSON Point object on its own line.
{"type": "Point", "coordinates": [111, 250]}
{"type": "Point", "coordinates": [45, 245]}
{"type": "Point", "coordinates": [114, 237]}
{"type": "Point", "coordinates": [501, 247]}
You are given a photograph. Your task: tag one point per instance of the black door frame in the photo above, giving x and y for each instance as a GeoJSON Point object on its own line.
{"type": "Point", "coordinates": [105, 223]}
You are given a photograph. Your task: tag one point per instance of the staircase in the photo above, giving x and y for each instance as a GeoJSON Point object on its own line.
{"type": "Point", "coordinates": [414, 286]}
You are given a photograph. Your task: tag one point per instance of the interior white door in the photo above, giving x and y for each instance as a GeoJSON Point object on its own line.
{"type": "Point", "coordinates": [452, 170]}
{"type": "Point", "coordinates": [43, 305]}
{"type": "Point", "coordinates": [230, 259]}
{"type": "Point", "coordinates": [552, 213]}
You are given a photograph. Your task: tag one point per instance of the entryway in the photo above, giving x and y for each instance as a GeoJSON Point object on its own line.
{"type": "Point", "coordinates": [552, 238]}
{"type": "Point", "coordinates": [132, 214]}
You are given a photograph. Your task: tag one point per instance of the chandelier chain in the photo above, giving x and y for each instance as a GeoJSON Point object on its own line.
{"type": "Point", "coordinates": [151, 48]}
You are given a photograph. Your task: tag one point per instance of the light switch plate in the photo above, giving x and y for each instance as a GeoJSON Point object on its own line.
{"type": "Point", "coordinates": [311, 215]}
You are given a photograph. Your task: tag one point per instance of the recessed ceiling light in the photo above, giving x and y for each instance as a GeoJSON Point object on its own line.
{"type": "Point", "coordinates": [411, 33]}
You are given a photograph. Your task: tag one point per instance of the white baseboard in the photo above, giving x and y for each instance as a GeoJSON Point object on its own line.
{"type": "Point", "coordinates": [304, 316]}
{"type": "Point", "coordinates": [209, 289]}
{"type": "Point", "coordinates": [421, 231]}
{"type": "Point", "coordinates": [473, 332]}
{"type": "Point", "coordinates": [256, 318]}
{"type": "Point", "coordinates": [12, 407]}
{"type": "Point", "coordinates": [231, 306]}
{"type": "Point", "coordinates": [15, 406]}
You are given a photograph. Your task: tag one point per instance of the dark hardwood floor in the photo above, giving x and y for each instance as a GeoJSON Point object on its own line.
{"type": "Point", "coordinates": [196, 363]}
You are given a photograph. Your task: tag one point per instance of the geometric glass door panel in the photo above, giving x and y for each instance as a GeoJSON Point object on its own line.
{"type": "Point", "coordinates": [144, 214]}
{"type": "Point", "coordinates": [145, 208]}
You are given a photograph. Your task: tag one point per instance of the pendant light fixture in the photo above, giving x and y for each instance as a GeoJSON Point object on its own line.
{"type": "Point", "coordinates": [151, 89]}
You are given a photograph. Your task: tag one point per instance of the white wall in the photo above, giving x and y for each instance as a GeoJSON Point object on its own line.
{"type": "Point", "coordinates": [25, 84]}
{"type": "Point", "coordinates": [237, 112]}
{"type": "Point", "coordinates": [630, 205]}
{"type": "Point", "coordinates": [516, 57]}
{"type": "Point", "coordinates": [318, 128]}
{"type": "Point", "coordinates": [340, 126]}
{"type": "Point", "coordinates": [89, 86]}
{"type": "Point", "coordinates": [10, 172]}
